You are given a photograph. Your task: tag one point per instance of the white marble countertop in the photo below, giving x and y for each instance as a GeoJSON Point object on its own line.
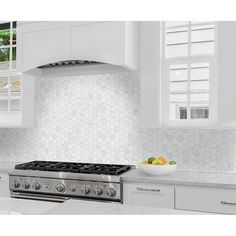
{"type": "Point", "coordinates": [7, 166]}
{"type": "Point", "coordinates": [13, 206]}
{"type": "Point", "coordinates": [83, 207]}
{"type": "Point", "coordinates": [201, 179]}
{"type": "Point", "coordinates": [207, 179]}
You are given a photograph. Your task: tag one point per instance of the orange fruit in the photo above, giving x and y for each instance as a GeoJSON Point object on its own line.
{"type": "Point", "coordinates": [163, 159]}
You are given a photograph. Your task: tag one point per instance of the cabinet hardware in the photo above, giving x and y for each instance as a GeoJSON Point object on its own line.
{"type": "Point", "coordinates": [148, 189]}
{"type": "Point", "coordinates": [228, 203]}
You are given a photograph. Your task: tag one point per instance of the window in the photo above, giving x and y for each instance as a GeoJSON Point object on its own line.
{"type": "Point", "coordinates": [7, 45]}
{"type": "Point", "coordinates": [188, 58]}
{"type": "Point", "coordinates": [196, 112]}
{"type": "Point", "coordinates": [10, 97]}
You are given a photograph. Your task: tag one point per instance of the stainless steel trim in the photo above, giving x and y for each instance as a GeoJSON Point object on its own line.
{"type": "Point", "coordinates": [38, 197]}
{"type": "Point", "coordinates": [228, 203]}
{"type": "Point", "coordinates": [69, 63]}
{"type": "Point", "coordinates": [148, 189]}
{"type": "Point", "coordinates": [66, 175]}
{"type": "Point", "coordinates": [49, 186]}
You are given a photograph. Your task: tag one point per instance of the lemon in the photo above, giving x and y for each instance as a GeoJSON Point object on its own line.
{"type": "Point", "coordinates": [157, 162]}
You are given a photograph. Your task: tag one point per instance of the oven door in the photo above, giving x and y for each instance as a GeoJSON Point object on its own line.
{"type": "Point", "coordinates": [15, 206]}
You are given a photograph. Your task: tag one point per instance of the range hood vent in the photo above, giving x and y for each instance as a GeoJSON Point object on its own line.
{"type": "Point", "coordinates": [69, 63]}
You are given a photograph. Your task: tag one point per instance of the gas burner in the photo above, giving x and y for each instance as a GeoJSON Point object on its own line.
{"type": "Point", "coordinates": [59, 181]}
{"type": "Point", "coordinates": [86, 168]}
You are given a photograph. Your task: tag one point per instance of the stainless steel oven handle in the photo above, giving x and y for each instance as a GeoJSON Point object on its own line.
{"type": "Point", "coordinates": [39, 197]}
{"type": "Point", "coordinates": [228, 203]}
{"type": "Point", "coordinates": [148, 189]}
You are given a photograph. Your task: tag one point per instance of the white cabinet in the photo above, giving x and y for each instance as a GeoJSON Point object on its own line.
{"type": "Point", "coordinates": [40, 43]}
{"type": "Point", "coordinates": [16, 99]}
{"type": "Point", "coordinates": [149, 69]}
{"type": "Point", "coordinates": [4, 185]}
{"type": "Point", "coordinates": [226, 73]}
{"type": "Point", "coordinates": [152, 195]}
{"type": "Point", "coordinates": [206, 199]}
{"type": "Point", "coordinates": [190, 198]}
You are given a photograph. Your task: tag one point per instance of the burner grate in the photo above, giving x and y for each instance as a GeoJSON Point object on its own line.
{"type": "Point", "coordinates": [86, 168]}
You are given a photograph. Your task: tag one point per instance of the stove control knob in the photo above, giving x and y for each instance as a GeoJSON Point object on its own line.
{"type": "Point", "coordinates": [16, 184]}
{"type": "Point", "coordinates": [85, 189]}
{"type": "Point", "coordinates": [36, 186]}
{"type": "Point", "coordinates": [72, 188]}
{"type": "Point", "coordinates": [60, 188]}
{"type": "Point", "coordinates": [98, 191]}
{"type": "Point", "coordinates": [26, 185]}
{"type": "Point", "coordinates": [111, 192]}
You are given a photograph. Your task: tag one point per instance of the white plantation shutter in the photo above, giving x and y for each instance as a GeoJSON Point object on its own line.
{"type": "Point", "coordinates": [189, 39]}
{"type": "Point", "coordinates": [188, 64]}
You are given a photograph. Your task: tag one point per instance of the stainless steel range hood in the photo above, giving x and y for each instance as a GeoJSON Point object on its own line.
{"type": "Point", "coordinates": [78, 67]}
{"type": "Point", "coordinates": [69, 63]}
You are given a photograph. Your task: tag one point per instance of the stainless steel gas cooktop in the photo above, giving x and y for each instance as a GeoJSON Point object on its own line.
{"type": "Point", "coordinates": [59, 181]}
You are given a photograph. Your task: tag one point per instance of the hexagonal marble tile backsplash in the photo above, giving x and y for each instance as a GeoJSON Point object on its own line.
{"type": "Point", "coordinates": [94, 118]}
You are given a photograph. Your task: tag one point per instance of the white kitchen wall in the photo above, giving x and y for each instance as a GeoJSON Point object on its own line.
{"type": "Point", "coordinates": [94, 118]}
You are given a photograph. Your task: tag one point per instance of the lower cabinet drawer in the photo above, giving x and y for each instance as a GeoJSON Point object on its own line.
{"type": "Point", "coordinates": [148, 195]}
{"type": "Point", "coordinates": [206, 199]}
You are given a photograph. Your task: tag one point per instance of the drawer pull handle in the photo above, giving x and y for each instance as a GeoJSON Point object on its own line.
{"type": "Point", "coordinates": [148, 189]}
{"type": "Point", "coordinates": [228, 203]}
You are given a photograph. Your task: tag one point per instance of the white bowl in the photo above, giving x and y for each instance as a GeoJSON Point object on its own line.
{"type": "Point", "coordinates": [157, 169]}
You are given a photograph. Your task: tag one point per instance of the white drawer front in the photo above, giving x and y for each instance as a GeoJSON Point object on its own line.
{"type": "Point", "coordinates": [4, 185]}
{"type": "Point", "coordinates": [206, 199]}
{"type": "Point", "coordinates": [149, 195]}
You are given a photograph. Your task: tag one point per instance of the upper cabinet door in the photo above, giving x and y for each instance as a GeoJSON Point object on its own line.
{"type": "Point", "coordinates": [226, 73]}
{"type": "Point", "coordinates": [41, 43]}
